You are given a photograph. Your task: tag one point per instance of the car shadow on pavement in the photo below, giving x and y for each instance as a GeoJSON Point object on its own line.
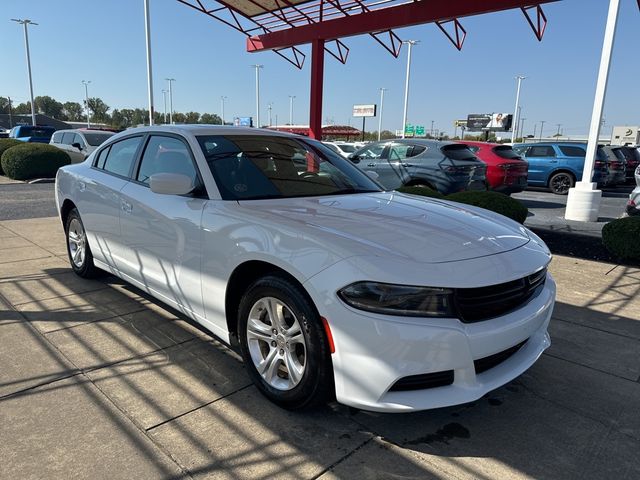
{"type": "Point", "coordinates": [189, 394]}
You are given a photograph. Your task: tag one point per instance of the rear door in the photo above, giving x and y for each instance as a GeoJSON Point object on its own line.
{"type": "Point", "coordinates": [162, 232]}
{"type": "Point", "coordinates": [68, 141]}
{"type": "Point", "coordinates": [394, 170]}
{"type": "Point", "coordinates": [542, 159]}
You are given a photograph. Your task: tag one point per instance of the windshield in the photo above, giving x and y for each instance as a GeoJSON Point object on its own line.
{"type": "Point", "coordinates": [347, 148]}
{"type": "Point", "coordinates": [506, 151]}
{"type": "Point", "coordinates": [39, 132]}
{"type": "Point", "coordinates": [250, 167]}
{"type": "Point", "coordinates": [95, 139]}
{"type": "Point", "coordinates": [457, 151]}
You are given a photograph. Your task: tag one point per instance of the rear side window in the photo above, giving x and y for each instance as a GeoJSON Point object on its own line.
{"type": "Point", "coordinates": [541, 151]}
{"type": "Point", "coordinates": [121, 156]}
{"type": "Point", "coordinates": [102, 156]}
{"type": "Point", "coordinates": [570, 151]}
{"type": "Point", "coordinates": [505, 151]}
{"type": "Point", "coordinates": [67, 138]}
{"type": "Point", "coordinates": [57, 137]}
{"type": "Point", "coordinates": [399, 152]}
{"type": "Point", "coordinates": [458, 152]}
{"type": "Point", "coordinates": [166, 155]}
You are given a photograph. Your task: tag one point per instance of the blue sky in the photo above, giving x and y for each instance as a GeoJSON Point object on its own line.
{"type": "Point", "coordinates": [103, 41]}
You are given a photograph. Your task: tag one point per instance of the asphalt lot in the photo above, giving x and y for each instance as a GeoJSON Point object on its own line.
{"type": "Point", "coordinates": [23, 200]}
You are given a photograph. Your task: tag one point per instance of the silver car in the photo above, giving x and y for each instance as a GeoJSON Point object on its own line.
{"type": "Point", "coordinates": [79, 143]}
{"type": "Point", "coordinates": [633, 205]}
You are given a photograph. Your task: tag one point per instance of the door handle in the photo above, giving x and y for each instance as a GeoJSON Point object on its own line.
{"type": "Point", "coordinates": [371, 164]}
{"type": "Point", "coordinates": [406, 164]}
{"type": "Point", "coordinates": [126, 207]}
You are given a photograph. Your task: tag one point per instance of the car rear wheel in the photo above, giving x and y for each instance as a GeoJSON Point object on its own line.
{"type": "Point", "coordinates": [78, 249]}
{"type": "Point", "coordinates": [283, 344]}
{"type": "Point", "coordinates": [561, 182]}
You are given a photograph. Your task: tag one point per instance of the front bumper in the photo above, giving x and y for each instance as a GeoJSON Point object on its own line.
{"type": "Point", "coordinates": [374, 351]}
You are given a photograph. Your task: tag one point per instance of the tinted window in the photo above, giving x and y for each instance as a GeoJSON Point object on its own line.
{"type": "Point", "coordinates": [399, 152]}
{"type": "Point", "coordinates": [253, 166]}
{"type": "Point", "coordinates": [121, 156]}
{"type": "Point", "coordinates": [458, 152]}
{"type": "Point", "coordinates": [541, 151]}
{"type": "Point", "coordinates": [332, 147]}
{"type": "Point", "coordinates": [505, 151]}
{"type": "Point", "coordinates": [57, 137]}
{"type": "Point", "coordinates": [102, 156]}
{"type": "Point", "coordinates": [473, 148]}
{"type": "Point", "coordinates": [570, 151]}
{"type": "Point", "coordinates": [417, 150]}
{"type": "Point", "coordinates": [166, 155]}
{"type": "Point", "coordinates": [619, 154]}
{"type": "Point", "coordinates": [347, 148]}
{"type": "Point", "coordinates": [67, 138]}
{"type": "Point", "coordinates": [95, 139]}
{"type": "Point", "coordinates": [371, 151]}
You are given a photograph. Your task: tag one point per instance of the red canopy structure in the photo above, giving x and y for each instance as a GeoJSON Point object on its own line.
{"type": "Point", "coordinates": [283, 25]}
{"type": "Point", "coordinates": [327, 130]}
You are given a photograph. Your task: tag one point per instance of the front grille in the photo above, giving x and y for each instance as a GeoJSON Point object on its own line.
{"type": "Point", "coordinates": [486, 363]}
{"type": "Point", "coordinates": [423, 381]}
{"type": "Point", "coordinates": [478, 304]}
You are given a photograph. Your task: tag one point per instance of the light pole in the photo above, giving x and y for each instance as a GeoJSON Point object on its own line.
{"type": "Point", "coordinates": [164, 100]}
{"type": "Point", "coordinates": [542, 122]}
{"type": "Point", "coordinates": [432, 121]}
{"type": "Point", "coordinates": [25, 23]}
{"type": "Point", "coordinates": [583, 201]}
{"type": "Point", "coordinates": [257, 67]}
{"type": "Point", "coordinates": [86, 100]}
{"type": "Point", "coordinates": [269, 107]}
{"type": "Point", "coordinates": [147, 30]}
{"type": "Point", "coordinates": [522, 129]}
{"type": "Point", "coordinates": [222, 99]}
{"type": "Point", "coordinates": [558, 134]}
{"type": "Point", "coordinates": [516, 113]}
{"type": "Point", "coordinates": [291, 97]}
{"type": "Point", "coordinates": [170, 80]}
{"type": "Point", "coordinates": [382, 90]}
{"type": "Point", "coordinates": [410, 44]}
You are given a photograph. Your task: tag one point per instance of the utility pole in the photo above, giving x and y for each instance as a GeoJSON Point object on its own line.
{"type": "Point", "coordinates": [147, 30]}
{"type": "Point", "coordinates": [291, 97]}
{"type": "Point", "coordinates": [269, 107]}
{"type": "Point", "coordinates": [542, 122]}
{"type": "Point", "coordinates": [432, 128]}
{"type": "Point", "coordinates": [516, 113]}
{"type": "Point", "coordinates": [170, 80]}
{"type": "Point", "coordinates": [410, 44]}
{"type": "Point", "coordinates": [558, 134]}
{"type": "Point", "coordinates": [222, 99]}
{"type": "Point", "coordinates": [25, 23]}
{"type": "Point", "coordinates": [382, 90]}
{"type": "Point", "coordinates": [257, 67]}
{"type": "Point", "coordinates": [86, 100]}
{"type": "Point", "coordinates": [522, 129]}
{"type": "Point", "coordinates": [10, 113]}
{"type": "Point", "coordinates": [164, 100]}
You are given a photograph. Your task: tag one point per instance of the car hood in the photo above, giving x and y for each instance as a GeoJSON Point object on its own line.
{"type": "Point", "coordinates": [392, 224]}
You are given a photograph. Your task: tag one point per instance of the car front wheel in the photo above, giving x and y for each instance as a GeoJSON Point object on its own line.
{"type": "Point", "coordinates": [560, 183]}
{"type": "Point", "coordinates": [78, 249]}
{"type": "Point", "coordinates": [283, 344]}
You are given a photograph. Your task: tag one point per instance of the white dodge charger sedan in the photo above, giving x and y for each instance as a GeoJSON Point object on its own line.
{"type": "Point", "coordinates": [329, 285]}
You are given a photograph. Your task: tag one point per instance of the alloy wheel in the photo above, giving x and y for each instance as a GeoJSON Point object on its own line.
{"type": "Point", "coordinates": [77, 241]}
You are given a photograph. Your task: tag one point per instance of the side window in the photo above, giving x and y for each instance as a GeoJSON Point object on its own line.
{"type": "Point", "coordinates": [417, 150]}
{"type": "Point", "coordinates": [57, 137]}
{"type": "Point", "coordinates": [570, 151]}
{"type": "Point", "coordinates": [374, 151]}
{"type": "Point", "coordinates": [166, 155]}
{"type": "Point", "coordinates": [101, 157]}
{"type": "Point", "coordinates": [400, 152]}
{"type": "Point", "coordinates": [67, 138]}
{"type": "Point", "coordinates": [473, 148]}
{"type": "Point", "coordinates": [121, 156]}
{"type": "Point", "coordinates": [541, 151]}
{"type": "Point", "coordinates": [79, 140]}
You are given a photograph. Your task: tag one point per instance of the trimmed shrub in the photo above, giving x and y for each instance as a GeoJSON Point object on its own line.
{"type": "Point", "coordinates": [494, 201]}
{"type": "Point", "coordinates": [622, 237]}
{"type": "Point", "coordinates": [5, 144]}
{"type": "Point", "coordinates": [33, 160]}
{"type": "Point", "coordinates": [423, 191]}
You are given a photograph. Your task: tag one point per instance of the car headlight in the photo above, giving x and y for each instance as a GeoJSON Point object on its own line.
{"type": "Point", "coordinates": [403, 300]}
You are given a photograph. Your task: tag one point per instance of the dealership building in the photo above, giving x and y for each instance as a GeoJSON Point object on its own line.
{"type": "Point", "coordinates": [626, 135]}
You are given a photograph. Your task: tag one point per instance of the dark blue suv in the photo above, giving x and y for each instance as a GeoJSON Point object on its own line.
{"type": "Point", "coordinates": [559, 165]}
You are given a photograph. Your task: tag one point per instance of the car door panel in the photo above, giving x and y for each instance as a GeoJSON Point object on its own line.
{"type": "Point", "coordinates": [394, 167]}
{"type": "Point", "coordinates": [542, 161]}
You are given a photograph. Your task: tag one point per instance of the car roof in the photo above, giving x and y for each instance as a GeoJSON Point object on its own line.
{"type": "Point", "coordinates": [199, 129]}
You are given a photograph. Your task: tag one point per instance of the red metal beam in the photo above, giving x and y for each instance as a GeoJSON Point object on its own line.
{"type": "Point", "coordinates": [404, 15]}
{"type": "Point", "coordinates": [317, 75]}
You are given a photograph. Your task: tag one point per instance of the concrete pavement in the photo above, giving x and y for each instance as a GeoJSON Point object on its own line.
{"type": "Point", "coordinates": [98, 381]}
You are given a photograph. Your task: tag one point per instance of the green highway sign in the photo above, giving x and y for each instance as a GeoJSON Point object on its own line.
{"type": "Point", "coordinates": [419, 130]}
{"type": "Point", "coordinates": [408, 130]}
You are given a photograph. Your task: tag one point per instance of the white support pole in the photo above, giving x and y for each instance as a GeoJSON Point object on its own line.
{"type": "Point", "coordinates": [222, 99]}
{"type": "Point", "coordinates": [86, 100]}
{"type": "Point", "coordinates": [164, 101]}
{"type": "Point", "coordinates": [257, 67]}
{"type": "Point", "coordinates": [516, 113]}
{"type": "Point", "coordinates": [147, 29]}
{"type": "Point", "coordinates": [382, 90]}
{"type": "Point", "coordinates": [25, 24]}
{"type": "Point", "coordinates": [291, 97]}
{"type": "Point", "coordinates": [583, 202]}
{"type": "Point", "coordinates": [409, 43]}
{"type": "Point", "coordinates": [170, 80]}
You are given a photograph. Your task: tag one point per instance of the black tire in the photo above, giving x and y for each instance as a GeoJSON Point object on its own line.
{"type": "Point", "coordinates": [315, 386]}
{"type": "Point", "coordinates": [561, 182]}
{"type": "Point", "coordinates": [84, 266]}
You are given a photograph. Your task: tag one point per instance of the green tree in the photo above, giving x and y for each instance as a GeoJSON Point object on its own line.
{"type": "Point", "coordinates": [98, 109]}
{"type": "Point", "coordinates": [49, 106]}
{"type": "Point", "coordinates": [73, 111]}
{"type": "Point", "coordinates": [192, 117]}
{"type": "Point", "coordinates": [210, 119]}
{"type": "Point", "coordinates": [23, 108]}
{"type": "Point", "coordinates": [179, 117]}
{"type": "Point", "coordinates": [4, 105]}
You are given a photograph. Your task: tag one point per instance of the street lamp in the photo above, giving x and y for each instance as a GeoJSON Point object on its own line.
{"type": "Point", "coordinates": [147, 31]}
{"type": "Point", "coordinates": [542, 122]}
{"type": "Point", "coordinates": [164, 100]}
{"type": "Point", "coordinates": [522, 128]}
{"type": "Point", "coordinates": [170, 80]}
{"type": "Point", "coordinates": [222, 99]}
{"type": "Point", "coordinates": [257, 67]}
{"type": "Point", "coordinates": [516, 113]}
{"type": "Point", "coordinates": [382, 90]}
{"type": "Point", "coordinates": [410, 44]}
{"type": "Point", "coordinates": [432, 121]}
{"type": "Point", "coordinates": [269, 107]}
{"type": "Point", "coordinates": [558, 134]}
{"type": "Point", "coordinates": [25, 23]}
{"type": "Point", "coordinates": [86, 100]}
{"type": "Point", "coordinates": [291, 97]}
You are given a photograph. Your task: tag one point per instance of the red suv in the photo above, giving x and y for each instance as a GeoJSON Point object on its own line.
{"type": "Point", "coordinates": [506, 170]}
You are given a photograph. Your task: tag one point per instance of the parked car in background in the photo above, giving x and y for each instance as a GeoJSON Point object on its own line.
{"type": "Point", "coordinates": [506, 169]}
{"type": "Point", "coordinates": [4, 133]}
{"type": "Point", "coordinates": [29, 133]}
{"type": "Point", "coordinates": [343, 148]}
{"type": "Point", "coordinates": [447, 167]}
{"type": "Point", "coordinates": [559, 165]}
{"type": "Point", "coordinates": [331, 286]}
{"type": "Point", "coordinates": [632, 159]}
{"type": "Point", "coordinates": [633, 205]}
{"type": "Point", "coordinates": [79, 143]}
{"type": "Point", "coordinates": [616, 163]}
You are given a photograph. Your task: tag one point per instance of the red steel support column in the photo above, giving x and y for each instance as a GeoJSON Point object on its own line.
{"type": "Point", "coordinates": [317, 74]}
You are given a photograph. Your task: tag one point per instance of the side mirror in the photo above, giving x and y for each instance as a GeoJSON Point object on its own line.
{"type": "Point", "coordinates": [371, 174]}
{"type": "Point", "coordinates": [170, 184]}
{"type": "Point", "coordinates": [354, 158]}
{"type": "Point", "coordinates": [77, 145]}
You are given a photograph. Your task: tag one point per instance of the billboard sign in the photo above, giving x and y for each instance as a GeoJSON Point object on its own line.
{"type": "Point", "coordinates": [495, 122]}
{"type": "Point", "coordinates": [243, 121]}
{"type": "Point", "coordinates": [364, 110]}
